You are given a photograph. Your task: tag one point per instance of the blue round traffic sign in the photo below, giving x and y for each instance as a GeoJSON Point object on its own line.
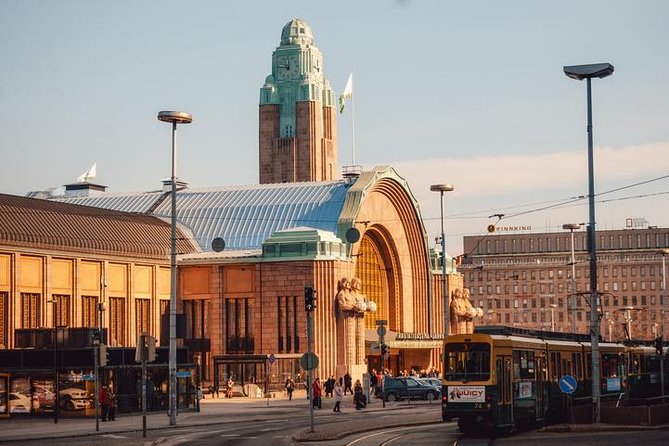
{"type": "Point", "coordinates": [568, 384]}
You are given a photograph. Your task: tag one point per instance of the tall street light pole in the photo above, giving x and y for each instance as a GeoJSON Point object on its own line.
{"type": "Point", "coordinates": [664, 252]}
{"type": "Point", "coordinates": [572, 298]}
{"type": "Point", "coordinates": [441, 188]}
{"type": "Point", "coordinates": [587, 72]}
{"type": "Point", "coordinates": [174, 117]}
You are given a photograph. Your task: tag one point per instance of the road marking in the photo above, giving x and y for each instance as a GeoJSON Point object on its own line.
{"type": "Point", "coordinates": [113, 436]}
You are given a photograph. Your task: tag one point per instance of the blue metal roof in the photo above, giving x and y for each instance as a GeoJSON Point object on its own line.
{"type": "Point", "coordinates": [244, 216]}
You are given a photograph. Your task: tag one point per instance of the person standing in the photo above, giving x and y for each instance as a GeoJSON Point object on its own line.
{"type": "Point", "coordinates": [111, 396]}
{"type": "Point", "coordinates": [316, 391]}
{"type": "Point", "coordinates": [329, 386]}
{"type": "Point", "coordinates": [104, 403]}
{"type": "Point", "coordinates": [198, 397]}
{"type": "Point", "coordinates": [338, 395]}
{"type": "Point", "coordinates": [228, 392]}
{"type": "Point", "coordinates": [290, 386]}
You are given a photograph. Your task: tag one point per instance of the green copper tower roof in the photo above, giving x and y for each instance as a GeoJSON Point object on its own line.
{"type": "Point", "coordinates": [297, 75]}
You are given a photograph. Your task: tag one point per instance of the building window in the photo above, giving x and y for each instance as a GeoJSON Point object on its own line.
{"type": "Point", "coordinates": [89, 311]}
{"type": "Point", "coordinates": [4, 297]}
{"type": "Point", "coordinates": [30, 310]}
{"type": "Point", "coordinates": [143, 315]}
{"type": "Point", "coordinates": [117, 321]}
{"type": "Point", "coordinates": [288, 339]}
{"type": "Point", "coordinates": [239, 325]}
{"type": "Point", "coordinates": [196, 318]}
{"type": "Point", "coordinates": [61, 311]}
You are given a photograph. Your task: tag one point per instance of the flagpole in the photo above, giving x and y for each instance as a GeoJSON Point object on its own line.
{"type": "Point", "coordinates": [353, 128]}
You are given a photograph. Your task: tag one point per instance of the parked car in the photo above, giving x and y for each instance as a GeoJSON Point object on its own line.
{"type": "Point", "coordinates": [408, 388]}
{"type": "Point", "coordinates": [434, 382]}
{"type": "Point", "coordinates": [19, 403]}
{"type": "Point", "coordinates": [73, 398]}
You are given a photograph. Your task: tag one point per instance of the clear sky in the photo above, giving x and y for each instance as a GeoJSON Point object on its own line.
{"type": "Point", "coordinates": [470, 93]}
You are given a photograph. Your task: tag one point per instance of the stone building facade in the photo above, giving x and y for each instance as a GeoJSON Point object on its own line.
{"type": "Point", "coordinates": [525, 279]}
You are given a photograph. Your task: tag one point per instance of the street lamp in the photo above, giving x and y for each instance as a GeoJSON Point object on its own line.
{"type": "Point", "coordinates": [572, 298]}
{"type": "Point", "coordinates": [587, 72]}
{"type": "Point", "coordinates": [174, 117]}
{"type": "Point", "coordinates": [441, 188]}
{"type": "Point", "coordinates": [553, 307]}
{"type": "Point", "coordinates": [664, 252]}
{"type": "Point", "coordinates": [56, 319]}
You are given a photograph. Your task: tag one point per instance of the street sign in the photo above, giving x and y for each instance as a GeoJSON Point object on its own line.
{"type": "Point", "coordinates": [568, 384]}
{"type": "Point", "coordinates": [272, 358]}
{"type": "Point", "coordinates": [381, 331]}
{"type": "Point", "coordinates": [374, 348]}
{"type": "Point", "coordinates": [185, 374]}
{"type": "Point", "coordinates": [309, 361]}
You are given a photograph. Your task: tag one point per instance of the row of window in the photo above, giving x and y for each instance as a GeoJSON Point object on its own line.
{"type": "Point", "coordinates": [549, 274]}
{"type": "Point", "coordinates": [551, 243]}
{"type": "Point", "coordinates": [30, 307]}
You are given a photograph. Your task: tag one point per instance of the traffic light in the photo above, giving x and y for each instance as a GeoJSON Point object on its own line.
{"type": "Point", "coordinates": [104, 355]}
{"type": "Point", "coordinates": [658, 346]}
{"type": "Point", "coordinates": [151, 348]}
{"type": "Point", "coordinates": [309, 299]}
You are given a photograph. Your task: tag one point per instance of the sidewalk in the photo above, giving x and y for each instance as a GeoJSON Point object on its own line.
{"type": "Point", "coordinates": [213, 411]}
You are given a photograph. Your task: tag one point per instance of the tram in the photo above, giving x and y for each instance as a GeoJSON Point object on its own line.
{"type": "Point", "coordinates": [504, 377]}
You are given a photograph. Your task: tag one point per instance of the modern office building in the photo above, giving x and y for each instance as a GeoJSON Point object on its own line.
{"type": "Point", "coordinates": [524, 279]}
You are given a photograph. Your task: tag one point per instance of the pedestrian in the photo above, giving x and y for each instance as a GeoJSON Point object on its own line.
{"type": "Point", "coordinates": [104, 403]}
{"type": "Point", "coordinates": [316, 392]}
{"type": "Point", "coordinates": [373, 381]}
{"type": "Point", "coordinates": [290, 386]}
{"type": "Point", "coordinates": [329, 386]}
{"type": "Point", "coordinates": [348, 382]}
{"type": "Point", "coordinates": [359, 398]}
{"type": "Point", "coordinates": [111, 396]}
{"type": "Point", "coordinates": [228, 391]}
{"type": "Point", "coordinates": [198, 397]}
{"type": "Point", "coordinates": [338, 395]}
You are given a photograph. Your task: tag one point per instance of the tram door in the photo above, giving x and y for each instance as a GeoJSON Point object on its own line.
{"type": "Point", "coordinates": [504, 409]}
{"type": "Point", "coordinates": [540, 373]}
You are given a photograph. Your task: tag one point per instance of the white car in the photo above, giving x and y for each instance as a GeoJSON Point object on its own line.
{"type": "Point", "coordinates": [19, 403]}
{"type": "Point", "coordinates": [73, 398]}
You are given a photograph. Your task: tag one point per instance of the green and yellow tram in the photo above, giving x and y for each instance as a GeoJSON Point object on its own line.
{"type": "Point", "coordinates": [504, 377]}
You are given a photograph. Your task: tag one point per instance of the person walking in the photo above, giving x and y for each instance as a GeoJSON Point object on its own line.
{"type": "Point", "coordinates": [348, 382]}
{"type": "Point", "coordinates": [338, 395]}
{"type": "Point", "coordinates": [290, 386]}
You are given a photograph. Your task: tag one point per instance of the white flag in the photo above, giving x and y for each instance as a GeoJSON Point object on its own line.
{"type": "Point", "coordinates": [88, 175]}
{"type": "Point", "coordinates": [347, 94]}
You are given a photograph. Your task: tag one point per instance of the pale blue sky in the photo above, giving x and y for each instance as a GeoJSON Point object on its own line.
{"type": "Point", "coordinates": [465, 92]}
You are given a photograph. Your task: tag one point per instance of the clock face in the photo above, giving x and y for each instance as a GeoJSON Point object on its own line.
{"type": "Point", "coordinates": [287, 67]}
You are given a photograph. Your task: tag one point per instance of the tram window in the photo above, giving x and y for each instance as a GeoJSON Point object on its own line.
{"type": "Point", "coordinates": [523, 364]}
{"type": "Point", "coordinates": [635, 364]}
{"type": "Point", "coordinates": [610, 365]}
{"type": "Point", "coordinates": [577, 365]}
{"type": "Point", "coordinates": [468, 361]}
{"type": "Point", "coordinates": [555, 365]}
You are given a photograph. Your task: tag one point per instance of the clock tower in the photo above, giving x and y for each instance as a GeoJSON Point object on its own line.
{"type": "Point", "coordinates": [298, 123]}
